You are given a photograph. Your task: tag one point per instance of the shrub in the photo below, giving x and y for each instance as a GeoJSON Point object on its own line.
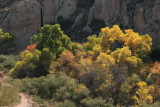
{"type": "Point", "coordinates": [6, 43]}
{"type": "Point", "coordinates": [32, 64]}
{"type": "Point", "coordinates": [56, 88]}
{"type": "Point", "coordinates": [8, 95]}
{"type": "Point", "coordinates": [61, 90]}
{"type": "Point", "coordinates": [97, 102]}
{"type": "Point", "coordinates": [66, 103]}
{"type": "Point", "coordinates": [7, 62]}
{"type": "Point", "coordinates": [156, 104]}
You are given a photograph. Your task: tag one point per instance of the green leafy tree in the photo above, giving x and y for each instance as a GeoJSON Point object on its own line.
{"type": "Point", "coordinates": [4, 37]}
{"type": "Point", "coordinates": [91, 42]}
{"type": "Point", "coordinates": [53, 38]}
{"type": "Point", "coordinates": [6, 43]}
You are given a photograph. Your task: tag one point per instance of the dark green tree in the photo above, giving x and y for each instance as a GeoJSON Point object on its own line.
{"type": "Point", "coordinates": [53, 38]}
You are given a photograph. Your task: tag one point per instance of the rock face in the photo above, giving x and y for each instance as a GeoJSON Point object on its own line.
{"type": "Point", "coordinates": [80, 17]}
{"type": "Point", "coordinates": [25, 17]}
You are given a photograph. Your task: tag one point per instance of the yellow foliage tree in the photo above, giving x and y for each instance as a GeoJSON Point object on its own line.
{"type": "Point", "coordinates": [32, 64]}
{"type": "Point", "coordinates": [142, 94]}
{"type": "Point", "coordinates": [139, 45]}
{"type": "Point", "coordinates": [120, 55]}
{"type": "Point", "coordinates": [124, 56]}
{"type": "Point", "coordinates": [96, 51]}
{"type": "Point", "coordinates": [26, 58]}
{"type": "Point", "coordinates": [105, 60]}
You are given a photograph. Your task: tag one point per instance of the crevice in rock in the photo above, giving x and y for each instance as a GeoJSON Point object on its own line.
{"type": "Point", "coordinates": [4, 16]}
{"type": "Point", "coordinates": [42, 11]}
{"type": "Point", "coordinates": [41, 16]}
{"type": "Point", "coordinates": [9, 28]}
{"type": "Point", "coordinates": [131, 11]}
{"type": "Point", "coordinates": [59, 3]}
{"type": "Point", "coordinates": [27, 18]}
{"type": "Point", "coordinates": [145, 20]}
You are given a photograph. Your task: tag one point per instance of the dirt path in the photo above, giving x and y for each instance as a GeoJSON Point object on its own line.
{"type": "Point", "coordinates": [25, 101]}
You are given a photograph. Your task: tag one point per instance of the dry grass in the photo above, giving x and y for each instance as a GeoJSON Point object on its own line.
{"type": "Point", "coordinates": [8, 95]}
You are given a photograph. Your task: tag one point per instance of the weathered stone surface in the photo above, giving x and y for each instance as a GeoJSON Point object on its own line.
{"type": "Point", "coordinates": [80, 17]}
{"type": "Point", "coordinates": [141, 15]}
{"type": "Point", "coordinates": [25, 17]}
{"type": "Point", "coordinates": [21, 19]}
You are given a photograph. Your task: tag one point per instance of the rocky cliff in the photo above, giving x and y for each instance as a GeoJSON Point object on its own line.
{"type": "Point", "coordinates": [79, 18]}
